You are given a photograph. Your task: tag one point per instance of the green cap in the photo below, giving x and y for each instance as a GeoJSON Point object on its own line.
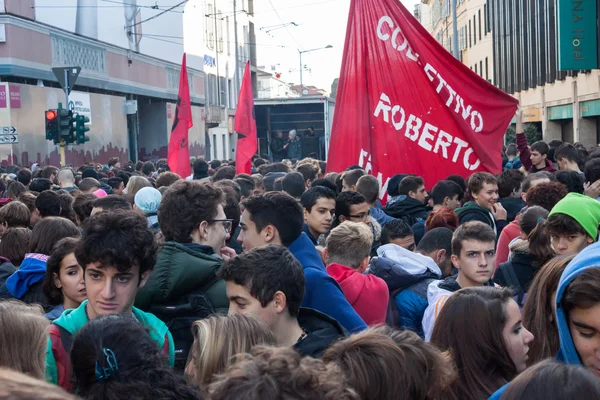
{"type": "Point", "coordinates": [583, 209]}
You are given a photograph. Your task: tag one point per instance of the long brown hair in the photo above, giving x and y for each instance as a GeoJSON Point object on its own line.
{"type": "Point", "coordinates": [478, 349]}
{"type": "Point", "coordinates": [17, 386]}
{"type": "Point", "coordinates": [533, 224]}
{"type": "Point", "coordinates": [538, 313]}
{"type": "Point", "coordinates": [23, 340]}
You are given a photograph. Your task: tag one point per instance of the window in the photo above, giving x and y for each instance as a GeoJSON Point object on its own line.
{"type": "Point", "coordinates": [481, 68]}
{"type": "Point", "coordinates": [214, 146]}
{"type": "Point", "coordinates": [474, 30]}
{"type": "Point", "coordinates": [210, 28]}
{"type": "Point", "coordinates": [219, 32]}
{"type": "Point", "coordinates": [487, 77]}
{"type": "Point", "coordinates": [470, 42]}
{"type": "Point", "coordinates": [479, 18]}
{"type": "Point", "coordinates": [224, 140]}
{"type": "Point", "coordinates": [476, 68]}
{"type": "Point", "coordinates": [227, 36]}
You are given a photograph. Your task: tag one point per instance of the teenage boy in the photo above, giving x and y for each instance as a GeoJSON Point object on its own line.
{"type": "Point", "coordinates": [409, 274]}
{"type": "Point", "coordinates": [513, 158]}
{"type": "Point", "coordinates": [444, 194]}
{"type": "Point", "coordinates": [536, 158]}
{"type": "Point", "coordinates": [319, 211]}
{"type": "Point", "coordinates": [351, 206]}
{"type": "Point", "coordinates": [473, 252]}
{"type": "Point", "coordinates": [398, 232]}
{"type": "Point", "coordinates": [485, 208]}
{"type": "Point", "coordinates": [269, 284]}
{"type": "Point", "coordinates": [347, 254]}
{"type": "Point", "coordinates": [276, 218]}
{"type": "Point", "coordinates": [117, 252]}
{"type": "Point", "coordinates": [573, 223]}
{"type": "Point", "coordinates": [509, 190]}
{"type": "Point", "coordinates": [567, 158]}
{"type": "Point", "coordinates": [412, 207]}
{"type": "Point", "coordinates": [350, 179]}
{"type": "Point", "coordinates": [368, 186]}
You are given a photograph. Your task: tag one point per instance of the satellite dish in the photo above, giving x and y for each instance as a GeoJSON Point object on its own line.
{"type": "Point", "coordinates": [305, 92]}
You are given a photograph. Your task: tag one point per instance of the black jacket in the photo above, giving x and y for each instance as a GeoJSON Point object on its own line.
{"type": "Point", "coordinates": [6, 270]}
{"type": "Point", "coordinates": [524, 266]}
{"type": "Point", "coordinates": [409, 209]}
{"type": "Point", "coordinates": [512, 205]}
{"type": "Point", "coordinates": [277, 149]}
{"type": "Point", "coordinates": [471, 211]}
{"type": "Point", "coordinates": [322, 331]}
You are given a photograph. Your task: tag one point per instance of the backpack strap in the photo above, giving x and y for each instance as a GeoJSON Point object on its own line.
{"type": "Point", "coordinates": [511, 278]}
{"type": "Point", "coordinates": [66, 338]}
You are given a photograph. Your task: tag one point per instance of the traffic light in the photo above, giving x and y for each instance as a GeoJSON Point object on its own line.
{"type": "Point", "coordinates": [81, 129]}
{"type": "Point", "coordinates": [51, 117]}
{"type": "Point", "coordinates": [65, 123]}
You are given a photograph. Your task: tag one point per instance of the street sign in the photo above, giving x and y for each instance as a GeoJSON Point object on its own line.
{"type": "Point", "coordinates": [9, 139]}
{"type": "Point", "coordinates": [66, 77]}
{"type": "Point", "coordinates": [8, 130]}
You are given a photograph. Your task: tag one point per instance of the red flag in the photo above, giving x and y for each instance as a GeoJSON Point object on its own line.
{"type": "Point", "coordinates": [245, 126]}
{"type": "Point", "coordinates": [405, 105]}
{"type": "Point", "coordinates": [179, 149]}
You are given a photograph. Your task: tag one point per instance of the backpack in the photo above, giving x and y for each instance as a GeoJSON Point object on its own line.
{"type": "Point", "coordinates": [512, 281]}
{"type": "Point", "coordinates": [180, 315]}
{"type": "Point", "coordinates": [392, 316]}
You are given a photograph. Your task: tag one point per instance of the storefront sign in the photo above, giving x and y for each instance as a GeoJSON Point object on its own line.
{"type": "Point", "coordinates": [577, 35]}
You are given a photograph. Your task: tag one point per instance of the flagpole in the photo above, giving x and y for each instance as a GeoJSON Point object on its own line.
{"type": "Point", "coordinates": [454, 31]}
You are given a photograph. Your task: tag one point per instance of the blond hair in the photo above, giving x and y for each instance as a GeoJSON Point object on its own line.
{"type": "Point", "coordinates": [218, 339]}
{"type": "Point", "coordinates": [17, 386]}
{"type": "Point", "coordinates": [312, 162]}
{"type": "Point", "coordinates": [24, 339]}
{"type": "Point", "coordinates": [349, 244]}
{"type": "Point", "coordinates": [136, 183]}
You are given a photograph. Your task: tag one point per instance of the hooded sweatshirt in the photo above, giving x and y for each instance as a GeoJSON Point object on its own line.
{"type": "Point", "coordinates": [409, 209]}
{"type": "Point", "coordinates": [322, 292]}
{"type": "Point", "coordinates": [33, 270]}
{"type": "Point", "coordinates": [472, 211]}
{"type": "Point", "coordinates": [58, 364]}
{"type": "Point", "coordinates": [321, 332]}
{"type": "Point", "coordinates": [407, 275]}
{"type": "Point", "coordinates": [366, 293]}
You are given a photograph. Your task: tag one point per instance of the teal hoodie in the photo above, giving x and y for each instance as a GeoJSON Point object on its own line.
{"type": "Point", "coordinates": [74, 319]}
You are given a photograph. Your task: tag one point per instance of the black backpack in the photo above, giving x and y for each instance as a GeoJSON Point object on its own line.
{"type": "Point", "coordinates": [512, 281]}
{"type": "Point", "coordinates": [179, 317]}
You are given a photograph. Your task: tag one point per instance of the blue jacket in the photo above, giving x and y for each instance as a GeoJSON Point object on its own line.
{"type": "Point", "coordinates": [322, 292]}
{"type": "Point", "coordinates": [588, 258]}
{"type": "Point", "coordinates": [33, 270]}
{"type": "Point", "coordinates": [378, 215]}
{"type": "Point", "coordinates": [407, 275]}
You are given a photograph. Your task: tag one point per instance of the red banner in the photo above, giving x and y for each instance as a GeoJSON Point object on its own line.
{"type": "Point", "coordinates": [406, 105]}
{"type": "Point", "coordinates": [245, 126]}
{"type": "Point", "coordinates": [179, 149]}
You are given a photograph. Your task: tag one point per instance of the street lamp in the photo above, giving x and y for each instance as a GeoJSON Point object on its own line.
{"type": "Point", "coordinates": [300, 52]}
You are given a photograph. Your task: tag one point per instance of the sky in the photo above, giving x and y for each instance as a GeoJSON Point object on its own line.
{"type": "Point", "coordinates": [319, 24]}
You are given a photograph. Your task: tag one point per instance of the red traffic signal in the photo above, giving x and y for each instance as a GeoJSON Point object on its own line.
{"type": "Point", "coordinates": [50, 114]}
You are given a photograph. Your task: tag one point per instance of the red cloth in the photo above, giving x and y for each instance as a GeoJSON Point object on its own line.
{"type": "Point", "coordinates": [510, 232]}
{"type": "Point", "coordinates": [366, 293]}
{"type": "Point", "coordinates": [179, 149]}
{"type": "Point", "coordinates": [406, 105]}
{"type": "Point", "coordinates": [245, 126]}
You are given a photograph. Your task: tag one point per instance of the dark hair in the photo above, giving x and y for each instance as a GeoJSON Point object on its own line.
{"type": "Point", "coordinates": [583, 291]}
{"type": "Point", "coordinates": [562, 224]}
{"type": "Point", "coordinates": [254, 270]}
{"type": "Point", "coordinates": [308, 172]}
{"type": "Point", "coordinates": [120, 238]}
{"type": "Point", "coordinates": [48, 204]}
{"type": "Point", "coordinates": [185, 205]}
{"type": "Point", "coordinates": [436, 239]}
{"type": "Point", "coordinates": [394, 183]}
{"type": "Point", "coordinates": [553, 380]}
{"type": "Point", "coordinates": [14, 190]}
{"type": "Point", "coordinates": [167, 178]}
{"type": "Point", "coordinates": [200, 168]}
{"type": "Point", "coordinates": [258, 162]}
{"type": "Point", "coordinates": [28, 199]}
{"type": "Point", "coordinates": [24, 176]}
{"type": "Point", "coordinates": [511, 150]}
{"type": "Point", "coordinates": [112, 202]}
{"type": "Point", "coordinates": [124, 176]}
{"type": "Point", "coordinates": [142, 368]}
{"type": "Point", "coordinates": [50, 230]}
{"type": "Point", "coordinates": [113, 161]}
{"type": "Point", "coordinates": [571, 179]}
{"type": "Point", "coordinates": [444, 189]}
{"type": "Point", "coordinates": [546, 194]}
{"type": "Point", "coordinates": [472, 230]}
{"type": "Point", "coordinates": [454, 331]}
{"type": "Point", "coordinates": [66, 205]}
{"type": "Point", "coordinates": [533, 224]}
{"type": "Point", "coordinates": [541, 147]}
{"type": "Point", "coordinates": [278, 167]}
{"type": "Point", "coordinates": [83, 205]}
{"type": "Point", "coordinates": [538, 311]}
{"type": "Point", "coordinates": [226, 172]}
{"type": "Point", "coordinates": [368, 186]}
{"type": "Point", "coordinates": [215, 164]}
{"type": "Point", "coordinates": [15, 214]}
{"type": "Point", "coordinates": [344, 201]}
{"type": "Point", "coordinates": [228, 183]}
{"type": "Point", "coordinates": [48, 171]}
{"type": "Point", "coordinates": [478, 179]}
{"type": "Point", "coordinates": [395, 229]}
{"type": "Point", "coordinates": [509, 181]}
{"type": "Point", "coordinates": [592, 170]}
{"type": "Point", "coordinates": [148, 168]}
{"type": "Point", "coordinates": [310, 197]}
{"type": "Point", "coordinates": [15, 244]}
{"type": "Point", "coordinates": [459, 180]}
{"type": "Point", "coordinates": [293, 184]}
{"type": "Point", "coordinates": [444, 217]}
{"type": "Point", "coordinates": [246, 183]}
{"type": "Point", "coordinates": [89, 172]}
{"type": "Point", "coordinates": [351, 177]}
{"type": "Point", "coordinates": [114, 182]}
{"type": "Point", "coordinates": [232, 206]}
{"type": "Point", "coordinates": [410, 184]}
{"type": "Point", "coordinates": [568, 152]}
{"type": "Point", "coordinates": [40, 184]}
{"type": "Point", "coordinates": [323, 182]}
{"type": "Point", "coordinates": [277, 209]}
{"type": "Point", "coordinates": [63, 248]}
{"type": "Point", "coordinates": [87, 184]}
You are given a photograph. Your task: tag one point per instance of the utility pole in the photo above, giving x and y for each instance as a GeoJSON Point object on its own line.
{"type": "Point", "coordinates": [217, 54]}
{"type": "Point", "coordinates": [455, 31]}
{"type": "Point", "coordinates": [301, 86]}
{"type": "Point", "coordinates": [237, 59]}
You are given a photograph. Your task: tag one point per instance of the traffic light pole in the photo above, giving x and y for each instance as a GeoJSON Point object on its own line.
{"type": "Point", "coordinates": [63, 159]}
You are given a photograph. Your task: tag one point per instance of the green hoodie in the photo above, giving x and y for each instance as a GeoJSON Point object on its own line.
{"type": "Point", "coordinates": [470, 209]}
{"type": "Point", "coordinates": [73, 320]}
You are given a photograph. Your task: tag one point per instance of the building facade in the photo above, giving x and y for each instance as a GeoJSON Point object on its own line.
{"type": "Point", "coordinates": [270, 86]}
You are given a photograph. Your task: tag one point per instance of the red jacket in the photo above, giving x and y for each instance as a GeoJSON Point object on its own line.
{"type": "Point", "coordinates": [525, 156]}
{"type": "Point", "coordinates": [508, 234]}
{"type": "Point", "coordinates": [368, 294]}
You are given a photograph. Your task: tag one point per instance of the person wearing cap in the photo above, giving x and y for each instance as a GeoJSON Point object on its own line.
{"type": "Point", "coordinates": [90, 172]}
{"type": "Point", "coordinates": [293, 146]}
{"type": "Point", "coordinates": [147, 201]}
{"type": "Point", "coordinates": [573, 223]}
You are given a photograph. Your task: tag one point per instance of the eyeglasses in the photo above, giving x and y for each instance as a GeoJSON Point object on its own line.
{"type": "Point", "coordinates": [227, 223]}
{"type": "Point", "coordinates": [361, 216]}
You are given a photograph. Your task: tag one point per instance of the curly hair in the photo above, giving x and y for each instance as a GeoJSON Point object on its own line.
{"type": "Point", "coordinates": [167, 179]}
{"type": "Point", "coordinates": [442, 218]}
{"type": "Point", "coordinates": [184, 206]}
{"type": "Point", "coordinates": [270, 373]}
{"type": "Point", "coordinates": [143, 371]}
{"type": "Point", "coordinates": [546, 195]}
{"type": "Point", "coordinates": [83, 206]}
{"type": "Point", "coordinates": [121, 239]}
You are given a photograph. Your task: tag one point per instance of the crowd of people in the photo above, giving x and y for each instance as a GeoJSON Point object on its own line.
{"type": "Point", "coordinates": [132, 282]}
